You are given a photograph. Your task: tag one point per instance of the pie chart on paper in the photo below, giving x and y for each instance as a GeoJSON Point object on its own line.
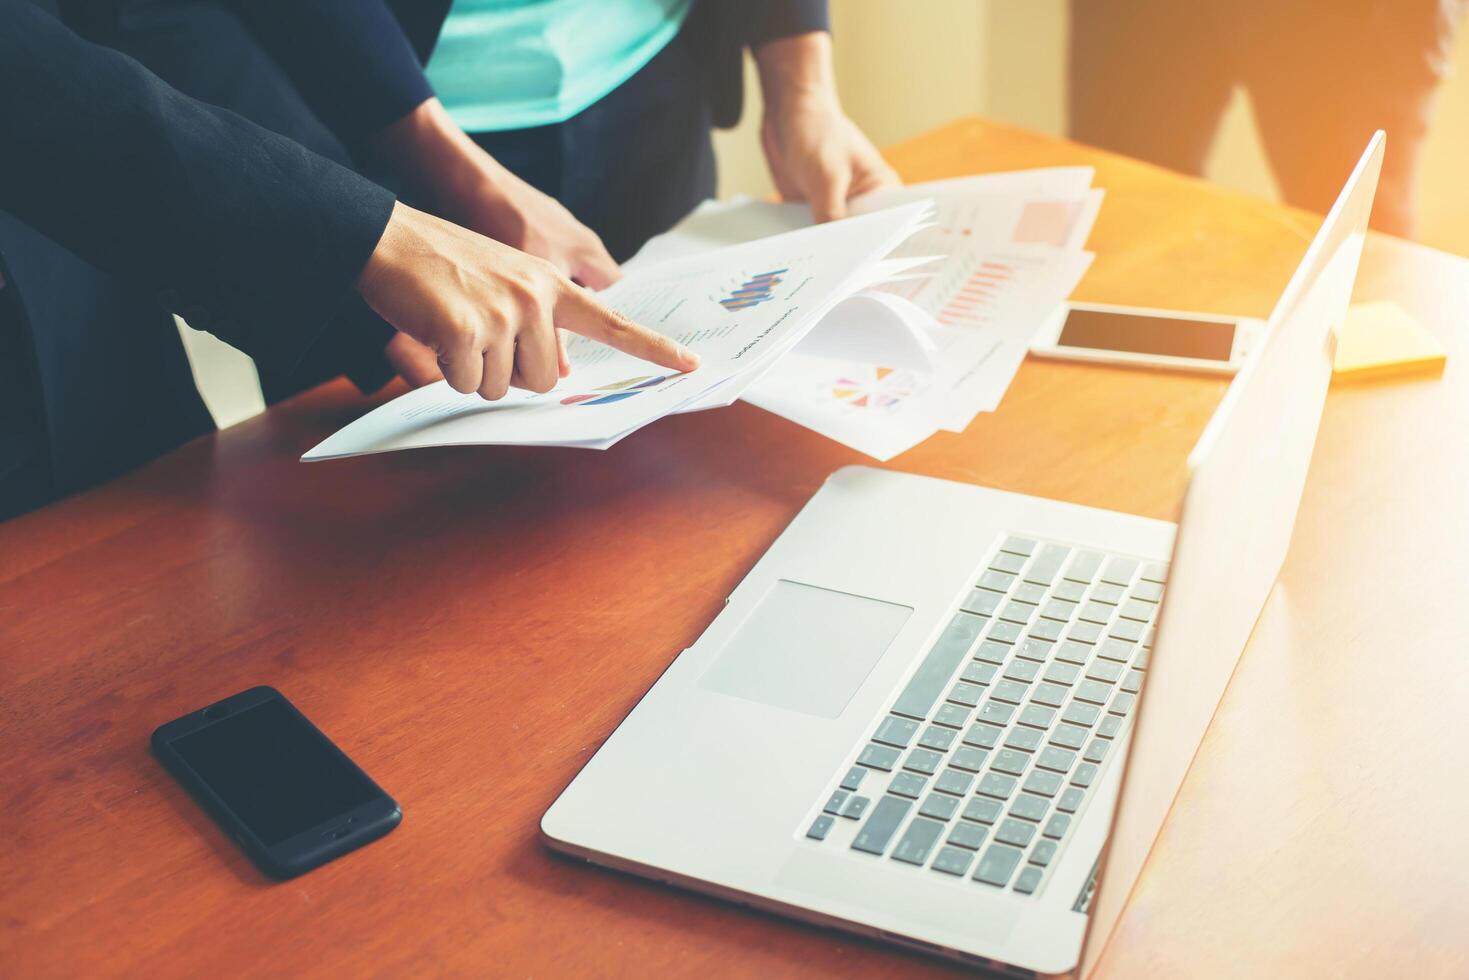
{"type": "Point", "coordinates": [873, 387]}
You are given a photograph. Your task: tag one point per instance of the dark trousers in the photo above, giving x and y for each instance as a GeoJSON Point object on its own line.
{"type": "Point", "coordinates": [94, 380]}
{"type": "Point", "coordinates": [1151, 79]}
{"type": "Point", "coordinates": [630, 165]}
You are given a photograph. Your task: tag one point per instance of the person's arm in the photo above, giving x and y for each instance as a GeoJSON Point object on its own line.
{"type": "Point", "coordinates": [815, 152]}
{"type": "Point", "coordinates": [255, 238]}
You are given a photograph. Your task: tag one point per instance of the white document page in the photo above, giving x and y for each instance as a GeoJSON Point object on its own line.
{"type": "Point", "coordinates": [739, 308]}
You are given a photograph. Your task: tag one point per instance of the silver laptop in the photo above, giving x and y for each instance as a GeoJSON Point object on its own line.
{"type": "Point", "coordinates": [955, 718]}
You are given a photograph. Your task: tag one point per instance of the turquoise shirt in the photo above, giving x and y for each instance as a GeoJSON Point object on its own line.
{"type": "Point", "coordinates": [511, 64]}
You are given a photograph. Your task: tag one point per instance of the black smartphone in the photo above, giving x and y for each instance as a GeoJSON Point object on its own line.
{"type": "Point", "coordinates": [274, 782]}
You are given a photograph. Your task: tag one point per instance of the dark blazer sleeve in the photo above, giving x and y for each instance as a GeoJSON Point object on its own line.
{"type": "Point", "coordinates": [767, 20]}
{"type": "Point", "coordinates": [722, 29]}
{"type": "Point", "coordinates": [351, 59]}
{"type": "Point", "coordinates": [242, 231]}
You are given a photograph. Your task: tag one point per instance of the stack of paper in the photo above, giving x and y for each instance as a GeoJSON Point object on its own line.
{"type": "Point", "coordinates": [740, 308]}
{"type": "Point", "coordinates": [1003, 251]}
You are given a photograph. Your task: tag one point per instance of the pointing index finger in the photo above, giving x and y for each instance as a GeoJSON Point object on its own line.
{"type": "Point", "coordinates": [580, 312]}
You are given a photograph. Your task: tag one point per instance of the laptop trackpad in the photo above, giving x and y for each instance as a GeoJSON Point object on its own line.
{"type": "Point", "coordinates": [805, 648]}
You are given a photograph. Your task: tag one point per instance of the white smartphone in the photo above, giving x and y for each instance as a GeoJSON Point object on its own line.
{"type": "Point", "coordinates": [1141, 337]}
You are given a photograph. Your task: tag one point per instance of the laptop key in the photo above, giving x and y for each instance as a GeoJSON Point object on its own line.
{"type": "Point", "coordinates": [1046, 629]}
{"type": "Point", "coordinates": [968, 835]}
{"type": "Point", "coordinates": [878, 757]}
{"type": "Point", "coordinates": [835, 802]}
{"type": "Point", "coordinates": [1037, 716]}
{"type": "Point", "coordinates": [1141, 660]}
{"type": "Point", "coordinates": [1035, 649]}
{"type": "Point", "coordinates": [1119, 570]}
{"type": "Point", "coordinates": [981, 810]}
{"type": "Point", "coordinates": [982, 736]}
{"type": "Point", "coordinates": [1002, 632]}
{"type": "Point", "coordinates": [1028, 880]}
{"type": "Point", "coordinates": [1017, 832]}
{"type": "Point", "coordinates": [954, 781]}
{"type": "Point", "coordinates": [1127, 629]}
{"type": "Point", "coordinates": [1084, 632]}
{"type": "Point", "coordinates": [996, 580]}
{"type": "Point", "coordinates": [1110, 594]}
{"type": "Point", "coordinates": [996, 713]}
{"type": "Point", "coordinates": [1059, 609]}
{"type": "Point", "coordinates": [1070, 800]}
{"type": "Point", "coordinates": [977, 673]}
{"type": "Point", "coordinates": [895, 731]}
{"type": "Point", "coordinates": [918, 841]}
{"type": "Point", "coordinates": [1155, 573]}
{"type": "Point", "coordinates": [855, 807]}
{"type": "Point", "coordinates": [1028, 807]}
{"type": "Point", "coordinates": [1080, 713]}
{"type": "Point", "coordinates": [996, 785]}
{"type": "Point", "coordinates": [1133, 682]}
{"type": "Point", "coordinates": [1093, 692]}
{"type": "Point", "coordinates": [820, 827]}
{"type": "Point", "coordinates": [1071, 652]}
{"type": "Point", "coordinates": [1148, 591]}
{"type": "Point", "coordinates": [1017, 612]}
{"type": "Point", "coordinates": [1010, 762]}
{"type": "Point", "coordinates": [991, 652]}
{"type": "Point", "coordinates": [938, 806]}
{"type": "Point", "coordinates": [1029, 592]}
{"type": "Point", "coordinates": [966, 694]}
{"type": "Point", "coordinates": [1056, 759]}
{"type": "Point", "coordinates": [1085, 774]}
{"type": "Point", "coordinates": [1012, 692]}
{"type": "Point", "coordinates": [982, 602]}
{"type": "Point", "coordinates": [1084, 566]}
{"type": "Point", "coordinates": [1057, 825]}
{"type": "Point", "coordinates": [1050, 695]}
{"type": "Point", "coordinates": [907, 784]}
{"type": "Point", "coordinates": [1104, 670]}
{"type": "Point", "coordinates": [1022, 670]}
{"type": "Point", "coordinates": [951, 716]}
{"type": "Point", "coordinates": [1069, 736]}
{"type": "Point", "coordinates": [881, 824]}
{"type": "Point", "coordinates": [1069, 591]}
{"type": "Point", "coordinates": [1025, 739]}
{"type": "Point", "coordinates": [1095, 612]}
{"type": "Point", "coordinates": [1062, 673]}
{"type": "Point", "coordinates": [1122, 703]}
{"type": "Point", "coordinates": [997, 865]}
{"type": "Point", "coordinates": [925, 761]}
{"type": "Point", "coordinates": [1110, 726]}
{"type": "Point", "coordinates": [937, 738]}
{"type": "Point", "coordinates": [1137, 609]}
{"type": "Point", "coordinates": [968, 758]}
{"type": "Point", "coordinates": [938, 665]}
{"type": "Point", "coordinates": [1097, 751]}
{"type": "Point", "coordinates": [1006, 562]}
{"type": "Point", "coordinates": [953, 861]}
{"type": "Point", "coordinates": [853, 778]}
{"type": "Point", "coordinates": [1017, 545]}
{"type": "Point", "coordinates": [1046, 784]}
{"type": "Point", "coordinates": [1047, 564]}
{"type": "Point", "coordinates": [1115, 650]}
{"type": "Point", "coordinates": [1043, 853]}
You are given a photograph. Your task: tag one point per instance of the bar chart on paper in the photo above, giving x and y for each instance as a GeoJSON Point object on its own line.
{"type": "Point", "coordinates": [753, 291]}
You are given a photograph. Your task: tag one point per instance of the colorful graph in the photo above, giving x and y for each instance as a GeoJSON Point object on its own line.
{"type": "Point", "coordinates": [753, 291]}
{"type": "Point", "coordinates": [617, 391]}
{"type": "Point", "coordinates": [874, 388]}
{"type": "Point", "coordinates": [981, 289]}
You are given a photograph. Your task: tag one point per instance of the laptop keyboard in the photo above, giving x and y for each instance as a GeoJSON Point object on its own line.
{"type": "Point", "coordinates": [990, 753]}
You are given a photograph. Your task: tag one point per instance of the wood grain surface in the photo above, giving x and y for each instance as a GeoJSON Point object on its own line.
{"type": "Point", "coordinates": [470, 625]}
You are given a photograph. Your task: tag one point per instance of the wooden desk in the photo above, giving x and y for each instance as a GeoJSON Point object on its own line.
{"type": "Point", "coordinates": [471, 624]}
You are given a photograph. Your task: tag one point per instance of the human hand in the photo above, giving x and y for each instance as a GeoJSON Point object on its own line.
{"type": "Point", "coordinates": [815, 152]}
{"type": "Point", "coordinates": [489, 313]}
{"type": "Point", "coordinates": [463, 183]}
{"type": "Point", "coordinates": [419, 366]}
